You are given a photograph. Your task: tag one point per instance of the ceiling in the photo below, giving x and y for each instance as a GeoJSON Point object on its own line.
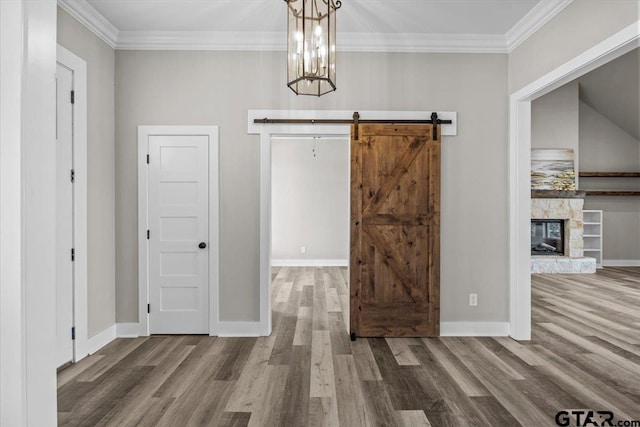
{"type": "Point", "coordinates": [613, 90]}
{"type": "Point", "coordinates": [378, 16]}
{"type": "Point", "coordinates": [363, 25]}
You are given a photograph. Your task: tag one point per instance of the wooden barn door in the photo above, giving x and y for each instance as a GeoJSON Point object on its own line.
{"type": "Point", "coordinates": [395, 231]}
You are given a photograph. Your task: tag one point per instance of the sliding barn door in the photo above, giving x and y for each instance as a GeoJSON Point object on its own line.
{"type": "Point", "coordinates": [395, 231]}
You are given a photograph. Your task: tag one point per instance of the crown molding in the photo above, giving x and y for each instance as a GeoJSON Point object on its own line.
{"type": "Point", "coordinates": [347, 42]}
{"type": "Point", "coordinates": [201, 40]}
{"type": "Point", "coordinates": [537, 17]}
{"type": "Point", "coordinates": [421, 43]}
{"type": "Point", "coordinates": [84, 13]}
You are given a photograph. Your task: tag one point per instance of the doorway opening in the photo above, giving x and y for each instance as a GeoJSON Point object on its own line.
{"type": "Point", "coordinates": [340, 128]}
{"type": "Point", "coordinates": [310, 202]}
{"type": "Point", "coordinates": [520, 125]}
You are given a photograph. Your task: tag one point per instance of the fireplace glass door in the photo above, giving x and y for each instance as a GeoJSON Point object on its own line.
{"type": "Point", "coordinates": [547, 237]}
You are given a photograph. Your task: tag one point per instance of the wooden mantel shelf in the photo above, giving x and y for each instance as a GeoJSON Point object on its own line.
{"type": "Point", "coordinates": [611, 193]}
{"type": "Point", "coordinates": [609, 174]}
{"type": "Point", "coordinates": [557, 194]}
{"type": "Point", "coordinates": [623, 193]}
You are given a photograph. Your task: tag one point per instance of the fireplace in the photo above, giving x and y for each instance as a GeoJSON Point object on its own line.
{"type": "Point", "coordinates": [547, 237]}
{"type": "Point", "coordinates": [557, 233]}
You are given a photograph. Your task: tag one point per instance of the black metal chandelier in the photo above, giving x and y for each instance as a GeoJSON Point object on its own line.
{"type": "Point", "coordinates": [311, 53]}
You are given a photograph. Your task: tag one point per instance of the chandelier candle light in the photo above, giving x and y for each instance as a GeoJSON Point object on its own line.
{"type": "Point", "coordinates": [311, 56]}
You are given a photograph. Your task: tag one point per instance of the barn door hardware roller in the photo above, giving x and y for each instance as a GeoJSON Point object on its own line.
{"type": "Point", "coordinates": [355, 120]}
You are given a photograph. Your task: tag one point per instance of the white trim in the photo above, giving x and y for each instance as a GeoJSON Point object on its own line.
{"type": "Point", "coordinates": [421, 43]}
{"type": "Point", "coordinates": [143, 257]}
{"type": "Point", "coordinates": [80, 266]}
{"type": "Point", "coordinates": [541, 13]}
{"type": "Point", "coordinates": [27, 204]}
{"type": "Point", "coordinates": [110, 333]}
{"type": "Point", "coordinates": [240, 329]}
{"type": "Point", "coordinates": [276, 41]}
{"type": "Point", "coordinates": [520, 167]}
{"type": "Point", "coordinates": [202, 40]}
{"type": "Point", "coordinates": [13, 402]}
{"type": "Point", "coordinates": [621, 263]}
{"type": "Point", "coordinates": [474, 329]}
{"type": "Point", "coordinates": [267, 131]}
{"type": "Point", "coordinates": [309, 262]}
{"type": "Point", "coordinates": [127, 330]}
{"type": "Point", "coordinates": [93, 20]}
{"type": "Point", "coordinates": [214, 182]}
{"type": "Point", "coordinates": [102, 338]}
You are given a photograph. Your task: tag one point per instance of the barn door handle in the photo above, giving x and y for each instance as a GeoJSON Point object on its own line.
{"type": "Point", "coordinates": [202, 245]}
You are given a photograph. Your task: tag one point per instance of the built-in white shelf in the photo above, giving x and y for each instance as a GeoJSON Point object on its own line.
{"type": "Point", "coordinates": [592, 236]}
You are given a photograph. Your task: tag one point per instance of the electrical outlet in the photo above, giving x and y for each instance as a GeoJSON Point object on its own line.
{"type": "Point", "coordinates": [303, 249]}
{"type": "Point", "coordinates": [473, 300]}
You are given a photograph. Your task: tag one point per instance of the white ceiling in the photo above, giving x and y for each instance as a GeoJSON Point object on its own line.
{"type": "Point", "coordinates": [377, 16]}
{"type": "Point", "coordinates": [363, 25]}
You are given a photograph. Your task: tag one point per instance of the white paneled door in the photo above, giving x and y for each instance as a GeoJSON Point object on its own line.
{"type": "Point", "coordinates": [178, 218]}
{"type": "Point", "coordinates": [64, 216]}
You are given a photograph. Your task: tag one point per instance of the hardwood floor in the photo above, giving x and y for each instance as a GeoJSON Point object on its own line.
{"type": "Point", "coordinates": [584, 355]}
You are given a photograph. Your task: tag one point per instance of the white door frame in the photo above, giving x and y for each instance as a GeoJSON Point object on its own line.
{"type": "Point", "coordinates": [27, 201]}
{"type": "Point", "coordinates": [80, 265]}
{"type": "Point", "coordinates": [267, 131]}
{"type": "Point", "coordinates": [144, 132]}
{"type": "Point", "coordinates": [520, 166]}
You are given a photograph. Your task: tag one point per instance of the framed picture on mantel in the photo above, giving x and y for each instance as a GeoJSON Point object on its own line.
{"type": "Point", "coordinates": [552, 169]}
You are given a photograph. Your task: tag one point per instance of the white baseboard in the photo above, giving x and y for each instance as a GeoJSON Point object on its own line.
{"type": "Point", "coordinates": [621, 263]}
{"type": "Point", "coordinates": [132, 330]}
{"type": "Point", "coordinates": [240, 329]}
{"type": "Point", "coordinates": [118, 330]}
{"type": "Point", "coordinates": [310, 262]}
{"type": "Point", "coordinates": [127, 330]}
{"type": "Point", "coordinates": [474, 329]}
{"type": "Point", "coordinates": [256, 329]}
{"type": "Point", "coordinates": [101, 339]}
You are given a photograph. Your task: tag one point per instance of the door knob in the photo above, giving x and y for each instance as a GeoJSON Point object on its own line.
{"type": "Point", "coordinates": [202, 245]}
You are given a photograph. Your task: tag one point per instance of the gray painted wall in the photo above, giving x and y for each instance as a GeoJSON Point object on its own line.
{"type": "Point", "coordinates": [100, 60]}
{"type": "Point", "coordinates": [604, 147]}
{"type": "Point", "coordinates": [578, 27]}
{"type": "Point", "coordinates": [310, 199]}
{"type": "Point", "coordinates": [555, 120]}
{"type": "Point", "coordinates": [614, 91]}
{"type": "Point", "coordinates": [217, 88]}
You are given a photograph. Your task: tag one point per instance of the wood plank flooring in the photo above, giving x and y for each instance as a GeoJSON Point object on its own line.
{"type": "Point", "coordinates": [584, 354]}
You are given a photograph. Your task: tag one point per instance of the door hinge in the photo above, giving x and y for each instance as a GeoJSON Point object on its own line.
{"type": "Point", "coordinates": [73, 175]}
{"type": "Point", "coordinates": [147, 159]}
{"type": "Point", "coordinates": [73, 254]}
{"type": "Point", "coordinates": [73, 333]}
{"type": "Point", "coordinates": [73, 96]}
{"type": "Point", "coordinates": [148, 234]}
{"type": "Point", "coordinates": [148, 308]}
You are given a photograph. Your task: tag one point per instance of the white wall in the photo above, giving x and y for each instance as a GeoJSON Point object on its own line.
{"type": "Point", "coordinates": [101, 226]}
{"type": "Point", "coordinates": [310, 199]}
{"type": "Point", "coordinates": [217, 88]}
{"type": "Point", "coordinates": [604, 147]}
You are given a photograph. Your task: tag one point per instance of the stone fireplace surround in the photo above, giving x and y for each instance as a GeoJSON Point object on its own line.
{"type": "Point", "coordinates": [567, 206]}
